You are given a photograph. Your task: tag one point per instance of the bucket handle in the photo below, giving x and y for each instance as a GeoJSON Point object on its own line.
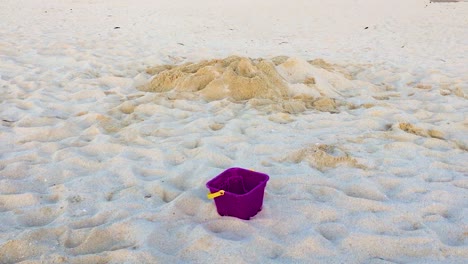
{"type": "Point", "coordinates": [216, 194]}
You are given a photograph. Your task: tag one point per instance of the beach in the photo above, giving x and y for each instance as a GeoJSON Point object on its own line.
{"type": "Point", "coordinates": [115, 114]}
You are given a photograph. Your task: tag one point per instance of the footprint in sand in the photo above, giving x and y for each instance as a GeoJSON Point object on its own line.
{"type": "Point", "coordinates": [99, 239]}
{"type": "Point", "coordinates": [165, 191]}
{"type": "Point", "coordinates": [30, 245]}
{"type": "Point", "coordinates": [333, 231]}
{"type": "Point", "coordinates": [40, 216]}
{"type": "Point", "coordinates": [229, 229]}
{"type": "Point", "coordinates": [366, 190]}
{"type": "Point", "coordinates": [216, 126]}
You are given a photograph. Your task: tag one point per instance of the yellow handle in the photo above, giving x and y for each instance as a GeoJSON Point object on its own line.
{"type": "Point", "coordinates": [216, 194]}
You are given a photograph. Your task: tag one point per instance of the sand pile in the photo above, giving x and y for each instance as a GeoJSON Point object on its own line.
{"type": "Point", "coordinates": [235, 77]}
{"type": "Point", "coordinates": [322, 157]}
{"type": "Point", "coordinates": [288, 84]}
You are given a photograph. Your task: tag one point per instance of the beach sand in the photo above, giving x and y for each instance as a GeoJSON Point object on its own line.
{"type": "Point", "coordinates": [446, 1]}
{"type": "Point", "coordinates": [115, 114]}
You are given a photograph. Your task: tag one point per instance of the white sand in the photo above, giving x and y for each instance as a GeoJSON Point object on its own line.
{"type": "Point", "coordinates": [93, 170]}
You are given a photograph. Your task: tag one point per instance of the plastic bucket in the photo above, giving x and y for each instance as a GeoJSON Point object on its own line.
{"type": "Point", "coordinates": [238, 192]}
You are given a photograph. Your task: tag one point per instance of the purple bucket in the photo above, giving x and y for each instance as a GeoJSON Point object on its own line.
{"type": "Point", "coordinates": [238, 192]}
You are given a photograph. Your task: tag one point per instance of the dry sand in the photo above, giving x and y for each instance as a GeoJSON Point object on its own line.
{"type": "Point", "coordinates": [114, 115]}
{"type": "Point", "coordinates": [445, 1]}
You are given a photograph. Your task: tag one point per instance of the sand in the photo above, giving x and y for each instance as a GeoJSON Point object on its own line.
{"type": "Point", "coordinates": [114, 115]}
{"type": "Point", "coordinates": [445, 1]}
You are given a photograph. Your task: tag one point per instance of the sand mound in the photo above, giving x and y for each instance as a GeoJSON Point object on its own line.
{"type": "Point", "coordinates": [283, 84]}
{"type": "Point", "coordinates": [234, 77]}
{"type": "Point", "coordinates": [321, 157]}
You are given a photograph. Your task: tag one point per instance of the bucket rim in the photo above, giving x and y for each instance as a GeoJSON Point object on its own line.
{"type": "Point", "coordinates": [263, 182]}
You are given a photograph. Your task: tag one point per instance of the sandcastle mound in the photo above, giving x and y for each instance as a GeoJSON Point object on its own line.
{"type": "Point", "coordinates": [291, 85]}
{"type": "Point", "coordinates": [234, 77]}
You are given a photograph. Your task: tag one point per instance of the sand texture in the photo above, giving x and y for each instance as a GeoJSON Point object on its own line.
{"type": "Point", "coordinates": [115, 114]}
{"type": "Point", "coordinates": [234, 77]}
{"type": "Point", "coordinates": [284, 84]}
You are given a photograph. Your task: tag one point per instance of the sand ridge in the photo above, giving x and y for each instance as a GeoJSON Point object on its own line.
{"type": "Point", "coordinates": [292, 85]}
